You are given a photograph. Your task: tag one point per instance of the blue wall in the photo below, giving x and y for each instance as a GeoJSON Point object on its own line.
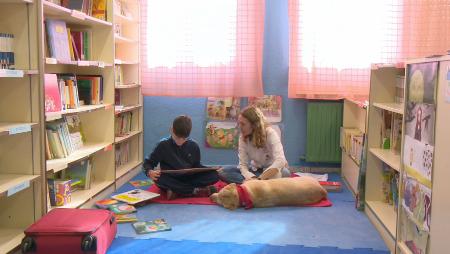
{"type": "Point", "coordinates": [160, 111]}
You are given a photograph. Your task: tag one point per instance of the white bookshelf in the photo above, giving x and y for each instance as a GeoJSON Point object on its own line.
{"type": "Point", "coordinates": [22, 160]}
{"type": "Point", "coordinates": [127, 59]}
{"type": "Point", "coordinates": [383, 78]}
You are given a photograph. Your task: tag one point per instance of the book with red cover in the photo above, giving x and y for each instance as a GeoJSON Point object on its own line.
{"type": "Point", "coordinates": [52, 95]}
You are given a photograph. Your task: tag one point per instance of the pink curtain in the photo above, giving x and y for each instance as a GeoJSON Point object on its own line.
{"type": "Point", "coordinates": [202, 48]}
{"type": "Point", "coordinates": [333, 43]}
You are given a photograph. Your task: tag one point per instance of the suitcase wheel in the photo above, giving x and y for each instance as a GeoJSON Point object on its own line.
{"type": "Point", "coordinates": [89, 243]}
{"type": "Point", "coordinates": [28, 245]}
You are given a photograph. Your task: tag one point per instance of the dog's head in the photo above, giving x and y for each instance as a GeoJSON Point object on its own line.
{"type": "Point", "coordinates": [228, 197]}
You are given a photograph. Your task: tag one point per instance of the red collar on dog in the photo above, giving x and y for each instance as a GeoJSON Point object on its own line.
{"type": "Point", "coordinates": [244, 197]}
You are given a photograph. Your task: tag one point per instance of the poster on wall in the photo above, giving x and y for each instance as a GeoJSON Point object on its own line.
{"type": "Point", "coordinates": [422, 82]}
{"type": "Point", "coordinates": [223, 108]}
{"type": "Point", "coordinates": [222, 135]}
{"type": "Point", "coordinates": [270, 105]}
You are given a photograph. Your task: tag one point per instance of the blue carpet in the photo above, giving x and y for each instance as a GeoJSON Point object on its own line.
{"type": "Point", "coordinates": [213, 229]}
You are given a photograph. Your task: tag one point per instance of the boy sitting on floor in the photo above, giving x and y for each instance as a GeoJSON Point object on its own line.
{"type": "Point", "coordinates": [178, 151]}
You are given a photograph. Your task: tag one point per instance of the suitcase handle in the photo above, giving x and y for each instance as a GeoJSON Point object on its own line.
{"type": "Point", "coordinates": [28, 245]}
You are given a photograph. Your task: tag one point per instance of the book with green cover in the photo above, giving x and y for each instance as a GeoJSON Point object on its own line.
{"type": "Point", "coordinates": [158, 225]}
{"type": "Point", "coordinates": [124, 218]}
{"type": "Point", "coordinates": [122, 208]}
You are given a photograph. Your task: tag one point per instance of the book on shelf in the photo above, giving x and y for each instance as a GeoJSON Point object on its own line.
{"type": "Point", "coordinates": [59, 192]}
{"type": "Point", "coordinates": [75, 130]}
{"type": "Point", "coordinates": [124, 218]}
{"type": "Point", "coordinates": [187, 171]}
{"type": "Point", "coordinates": [122, 208]}
{"type": "Point", "coordinates": [80, 173]}
{"type": "Point", "coordinates": [57, 40]}
{"type": "Point", "coordinates": [123, 124]}
{"type": "Point", "coordinates": [6, 51]}
{"type": "Point", "coordinates": [58, 137]}
{"type": "Point", "coordinates": [158, 225]}
{"type": "Point", "coordinates": [122, 153]}
{"type": "Point", "coordinates": [90, 89]}
{"type": "Point", "coordinates": [52, 95]}
{"type": "Point", "coordinates": [99, 9]}
{"type": "Point", "coordinates": [94, 8]}
{"type": "Point", "coordinates": [135, 197]}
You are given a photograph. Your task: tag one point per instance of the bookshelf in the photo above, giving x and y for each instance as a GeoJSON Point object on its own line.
{"type": "Point", "coordinates": [22, 161]}
{"type": "Point", "coordinates": [128, 104]}
{"type": "Point", "coordinates": [354, 125]}
{"type": "Point", "coordinates": [424, 204]}
{"type": "Point", "coordinates": [385, 114]}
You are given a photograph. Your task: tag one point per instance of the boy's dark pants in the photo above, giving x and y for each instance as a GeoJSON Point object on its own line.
{"type": "Point", "coordinates": [185, 184]}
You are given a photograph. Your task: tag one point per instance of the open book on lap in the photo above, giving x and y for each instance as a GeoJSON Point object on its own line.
{"type": "Point", "coordinates": [187, 171]}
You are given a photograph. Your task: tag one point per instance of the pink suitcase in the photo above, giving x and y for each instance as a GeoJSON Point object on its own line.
{"type": "Point", "coordinates": [70, 231]}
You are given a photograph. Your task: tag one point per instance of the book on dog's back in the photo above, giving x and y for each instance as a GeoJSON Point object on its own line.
{"type": "Point", "coordinates": [144, 227]}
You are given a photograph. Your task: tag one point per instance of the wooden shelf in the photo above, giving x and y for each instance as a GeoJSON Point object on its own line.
{"type": "Point", "coordinates": [124, 62]}
{"type": "Point", "coordinates": [17, 1]}
{"type": "Point", "coordinates": [15, 128]}
{"type": "Point", "coordinates": [51, 116]}
{"type": "Point", "coordinates": [388, 157]}
{"type": "Point", "coordinates": [17, 73]}
{"type": "Point", "coordinates": [10, 238]}
{"type": "Point", "coordinates": [403, 248]}
{"type": "Point", "coordinates": [392, 107]}
{"type": "Point", "coordinates": [350, 157]}
{"type": "Point", "coordinates": [124, 138]}
{"type": "Point", "coordinates": [120, 39]}
{"type": "Point", "coordinates": [127, 86]}
{"type": "Point", "coordinates": [386, 214]}
{"type": "Point", "coordinates": [12, 183]}
{"type": "Point", "coordinates": [123, 19]}
{"type": "Point", "coordinates": [88, 149]}
{"type": "Point", "coordinates": [124, 169]}
{"type": "Point", "coordinates": [80, 197]}
{"type": "Point", "coordinates": [55, 11]}
{"type": "Point", "coordinates": [126, 109]}
{"type": "Point", "coordinates": [80, 63]}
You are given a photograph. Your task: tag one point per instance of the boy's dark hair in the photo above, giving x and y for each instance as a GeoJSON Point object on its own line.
{"type": "Point", "coordinates": [182, 126]}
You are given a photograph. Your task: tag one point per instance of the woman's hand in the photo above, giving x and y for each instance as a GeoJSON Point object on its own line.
{"type": "Point", "coordinates": [154, 174]}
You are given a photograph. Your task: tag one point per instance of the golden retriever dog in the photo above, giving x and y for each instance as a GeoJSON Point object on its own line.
{"type": "Point", "coordinates": [295, 191]}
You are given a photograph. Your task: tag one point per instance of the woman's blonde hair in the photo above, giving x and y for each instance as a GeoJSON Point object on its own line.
{"type": "Point", "coordinates": [258, 122]}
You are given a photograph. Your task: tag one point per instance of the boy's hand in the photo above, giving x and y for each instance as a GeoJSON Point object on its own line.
{"type": "Point", "coordinates": [154, 174]}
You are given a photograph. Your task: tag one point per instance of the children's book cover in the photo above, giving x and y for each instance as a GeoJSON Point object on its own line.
{"type": "Point", "coordinates": [124, 218]}
{"type": "Point", "coordinates": [421, 82]}
{"type": "Point", "coordinates": [75, 130]}
{"type": "Point", "coordinates": [419, 122]}
{"type": "Point", "coordinates": [222, 135]}
{"type": "Point", "coordinates": [135, 196]}
{"type": "Point", "coordinates": [417, 202]}
{"type": "Point", "coordinates": [144, 227]}
{"type": "Point", "coordinates": [415, 238]}
{"type": "Point", "coordinates": [80, 171]}
{"type": "Point", "coordinates": [52, 95]}
{"type": "Point", "coordinates": [223, 108]}
{"type": "Point", "coordinates": [270, 105]}
{"type": "Point", "coordinates": [105, 203]}
{"type": "Point", "coordinates": [58, 41]}
{"type": "Point", "coordinates": [418, 156]}
{"type": "Point", "coordinates": [122, 208]}
{"type": "Point", "coordinates": [141, 183]}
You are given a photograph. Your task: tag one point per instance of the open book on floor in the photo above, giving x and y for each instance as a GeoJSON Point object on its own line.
{"type": "Point", "coordinates": [136, 196]}
{"type": "Point", "coordinates": [144, 227]}
{"type": "Point", "coordinates": [187, 171]}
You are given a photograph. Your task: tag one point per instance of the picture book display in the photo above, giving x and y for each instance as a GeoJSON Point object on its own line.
{"type": "Point", "coordinates": [222, 135]}
{"type": "Point", "coordinates": [144, 227]}
{"type": "Point", "coordinates": [187, 171]}
{"type": "Point", "coordinates": [270, 105]}
{"type": "Point", "coordinates": [80, 174]}
{"type": "Point", "coordinates": [141, 183]}
{"type": "Point", "coordinates": [52, 95]}
{"type": "Point", "coordinates": [135, 196]}
{"type": "Point", "coordinates": [223, 108]}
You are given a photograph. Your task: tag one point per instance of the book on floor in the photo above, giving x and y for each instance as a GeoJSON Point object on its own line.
{"type": "Point", "coordinates": [122, 208]}
{"type": "Point", "coordinates": [144, 227]}
{"type": "Point", "coordinates": [141, 183]}
{"type": "Point", "coordinates": [331, 186]}
{"type": "Point", "coordinates": [105, 203]}
{"type": "Point", "coordinates": [124, 218]}
{"type": "Point", "coordinates": [136, 196]}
